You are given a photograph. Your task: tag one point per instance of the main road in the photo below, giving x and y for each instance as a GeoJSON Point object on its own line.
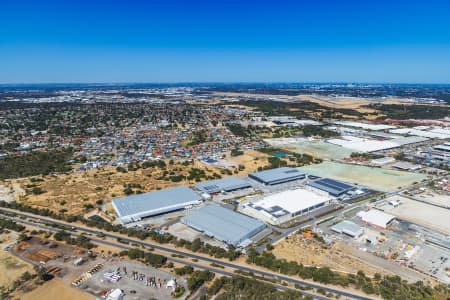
{"type": "Point", "coordinates": [34, 220]}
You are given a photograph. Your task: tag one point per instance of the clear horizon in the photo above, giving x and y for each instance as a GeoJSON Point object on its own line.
{"type": "Point", "coordinates": [50, 42]}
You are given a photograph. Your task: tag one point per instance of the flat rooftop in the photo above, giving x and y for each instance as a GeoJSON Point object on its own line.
{"type": "Point", "coordinates": [224, 184]}
{"type": "Point", "coordinates": [278, 175]}
{"type": "Point", "coordinates": [289, 202]}
{"type": "Point", "coordinates": [155, 201]}
{"type": "Point", "coordinates": [348, 227]}
{"type": "Point", "coordinates": [331, 186]}
{"type": "Point", "coordinates": [223, 224]}
{"type": "Point", "coordinates": [376, 217]}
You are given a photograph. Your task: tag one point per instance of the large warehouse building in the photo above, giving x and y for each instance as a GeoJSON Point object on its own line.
{"type": "Point", "coordinates": [277, 176]}
{"type": "Point", "coordinates": [282, 207]}
{"type": "Point", "coordinates": [376, 218]}
{"type": "Point", "coordinates": [349, 228]}
{"type": "Point", "coordinates": [224, 225]}
{"type": "Point", "coordinates": [333, 187]}
{"type": "Point", "coordinates": [225, 184]}
{"type": "Point", "coordinates": [134, 208]}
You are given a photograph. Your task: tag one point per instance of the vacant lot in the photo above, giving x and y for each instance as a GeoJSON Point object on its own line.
{"type": "Point", "coordinates": [71, 193]}
{"type": "Point", "coordinates": [311, 253]}
{"type": "Point", "coordinates": [55, 289]}
{"type": "Point", "coordinates": [424, 214]}
{"type": "Point", "coordinates": [251, 160]}
{"type": "Point", "coordinates": [375, 178]}
{"type": "Point", "coordinates": [10, 267]}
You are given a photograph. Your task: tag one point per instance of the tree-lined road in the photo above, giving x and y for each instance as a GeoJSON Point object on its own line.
{"type": "Point", "coordinates": [35, 220]}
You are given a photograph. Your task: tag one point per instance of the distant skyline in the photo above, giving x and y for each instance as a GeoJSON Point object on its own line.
{"type": "Point", "coordinates": [228, 41]}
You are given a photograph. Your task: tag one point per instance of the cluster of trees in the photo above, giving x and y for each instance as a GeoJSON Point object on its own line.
{"type": "Point", "coordinates": [239, 130]}
{"type": "Point", "coordinates": [132, 188]}
{"type": "Point", "coordinates": [307, 130]}
{"type": "Point", "coordinates": [134, 166]}
{"type": "Point", "coordinates": [35, 163]}
{"type": "Point", "coordinates": [365, 155]}
{"type": "Point", "coordinates": [198, 246]}
{"type": "Point", "coordinates": [11, 225]}
{"type": "Point", "coordinates": [198, 278]}
{"type": "Point", "coordinates": [298, 159]}
{"type": "Point", "coordinates": [198, 137]}
{"type": "Point", "coordinates": [303, 109]}
{"type": "Point", "coordinates": [185, 270]}
{"type": "Point", "coordinates": [155, 260]}
{"type": "Point", "coordinates": [403, 112]}
{"type": "Point", "coordinates": [236, 152]}
{"type": "Point", "coordinates": [6, 292]}
{"type": "Point", "coordinates": [196, 174]}
{"type": "Point", "coordinates": [195, 246]}
{"type": "Point", "coordinates": [388, 287]}
{"type": "Point", "coordinates": [80, 241]}
{"type": "Point", "coordinates": [310, 130]}
{"type": "Point", "coordinates": [239, 287]}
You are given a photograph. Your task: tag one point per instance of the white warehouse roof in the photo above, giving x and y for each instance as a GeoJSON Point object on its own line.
{"type": "Point", "coordinates": [376, 218]}
{"type": "Point", "coordinates": [133, 208]}
{"type": "Point", "coordinates": [287, 204]}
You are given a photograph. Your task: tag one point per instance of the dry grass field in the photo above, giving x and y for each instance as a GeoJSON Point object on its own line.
{"type": "Point", "coordinates": [71, 192]}
{"type": "Point", "coordinates": [251, 160]}
{"type": "Point", "coordinates": [11, 267]}
{"type": "Point", "coordinates": [311, 253]}
{"type": "Point", "coordinates": [354, 103]}
{"type": "Point", "coordinates": [55, 289]}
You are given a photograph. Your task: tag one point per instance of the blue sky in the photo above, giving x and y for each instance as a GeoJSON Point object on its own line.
{"type": "Point", "coordinates": [251, 41]}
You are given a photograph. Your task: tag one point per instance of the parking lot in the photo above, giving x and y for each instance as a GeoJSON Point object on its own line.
{"type": "Point", "coordinates": [137, 280]}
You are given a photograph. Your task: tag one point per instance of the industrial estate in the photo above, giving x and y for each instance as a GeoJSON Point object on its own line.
{"type": "Point", "coordinates": [192, 191]}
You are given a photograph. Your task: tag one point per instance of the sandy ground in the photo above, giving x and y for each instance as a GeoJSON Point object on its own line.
{"type": "Point", "coordinates": [11, 268]}
{"type": "Point", "coordinates": [251, 160]}
{"type": "Point", "coordinates": [71, 192]}
{"type": "Point", "coordinates": [10, 192]}
{"type": "Point", "coordinates": [354, 103]}
{"type": "Point", "coordinates": [55, 289]}
{"type": "Point", "coordinates": [424, 214]}
{"type": "Point", "coordinates": [309, 252]}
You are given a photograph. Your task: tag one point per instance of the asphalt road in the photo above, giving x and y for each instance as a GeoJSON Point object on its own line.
{"type": "Point", "coordinates": [160, 247]}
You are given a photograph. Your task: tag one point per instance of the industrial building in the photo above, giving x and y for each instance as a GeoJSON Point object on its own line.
{"type": "Point", "coordinates": [333, 187]}
{"type": "Point", "coordinates": [282, 207]}
{"type": "Point", "coordinates": [224, 225]}
{"type": "Point", "coordinates": [445, 147]}
{"type": "Point", "coordinates": [349, 228]}
{"type": "Point", "coordinates": [134, 208]}
{"type": "Point", "coordinates": [225, 184]}
{"type": "Point", "coordinates": [406, 166]}
{"type": "Point", "coordinates": [383, 161]}
{"type": "Point", "coordinates": [278, 175]}
{"type": "Point", "coordinates": [376, 218]}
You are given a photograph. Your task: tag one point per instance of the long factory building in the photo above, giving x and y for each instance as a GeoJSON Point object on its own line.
{"type": "Point", "coordinates": [227, 184]}
{"type": "Point", "coordinates": [277, 176]}
{"type": "Point", "coordinates": [134, 208]}
{"type": "Point", "coordinates": [282, 207]}
{"type": "Point", "coordinates": [224, 224]}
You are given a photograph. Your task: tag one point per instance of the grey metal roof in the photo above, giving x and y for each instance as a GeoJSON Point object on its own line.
{"type": "Point", "coordinates": [348, 227]}
{"type": "Point", "coordinates": [224, 184]}
{"type": "Point", "coordinates": [223, 224]}
{"type": "Point", "coordinates": [409, 140]}
{"type": "Point", "coordinates": [331, 186]}
{"type": "Point", "coordinates": [278, 175]}
{"type": "Point", "coordinates": [155, 201]}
